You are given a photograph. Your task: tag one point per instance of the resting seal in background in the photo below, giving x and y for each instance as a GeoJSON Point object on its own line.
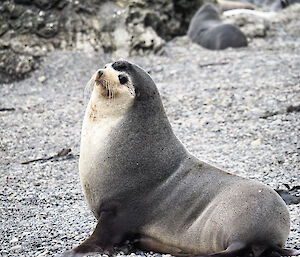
{"type": "Point", "coordinates": [207, 30]}
{"type": "Point", "coordinates": [143, 185]}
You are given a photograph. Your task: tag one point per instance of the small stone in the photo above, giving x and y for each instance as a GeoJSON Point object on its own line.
{"type": "Point", "coordinates": [276, 122]}
{"type": "Point", "coordinates": [14, 240]}
{"type": "Point", "coordinates": [256, 142]}
{"type": "Point", "coordinates": [42, 79]}
{"type": "Point", "coordinates": [15, 248]}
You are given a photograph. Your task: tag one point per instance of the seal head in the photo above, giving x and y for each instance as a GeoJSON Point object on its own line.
{"type": "Point", "coordinates": [124, 137]}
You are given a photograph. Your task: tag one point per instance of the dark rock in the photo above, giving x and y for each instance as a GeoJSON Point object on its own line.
{"type": "Point", "coordinates": [45, 4]}
{"type": "Point", "coordinates": [25, 23]}
{"type": "Point", "coordinates": [42, 4]}
{"type": "Point", "coordinates": [293, 108]}
{"type": "Point", "coordinates": [13, 10]}
{"type": "Point", "coordinates": [167, 18]}
{"type": "Point", "coordinates": [47, 24]}
{"type": "Point", "coordinates": [14, 66]}
{"type": "Point", "coordinates": [25, 2]}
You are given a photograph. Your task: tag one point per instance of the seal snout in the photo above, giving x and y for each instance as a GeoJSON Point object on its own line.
{"type": "Point", "coordinates": [98, 75]}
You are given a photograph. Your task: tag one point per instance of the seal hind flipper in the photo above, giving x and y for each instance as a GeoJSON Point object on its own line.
{"type": "Point", "coordinates": [286, 252]}
{"type": "Point", "coordinates": [233, 250]}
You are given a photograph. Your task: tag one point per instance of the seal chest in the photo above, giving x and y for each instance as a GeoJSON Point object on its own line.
{"type": "Point", "coordinates": [111, 98]}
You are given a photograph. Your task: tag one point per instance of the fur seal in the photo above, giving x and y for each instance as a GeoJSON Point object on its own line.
{"type": "Point", "coordinates": [143, 185]}
{"type": "Point", "coordinates": [207, 30]}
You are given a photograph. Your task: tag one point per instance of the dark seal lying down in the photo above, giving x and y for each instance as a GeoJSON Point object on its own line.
{"type": "Point", "coordinates": [143, 185]}
{"type": "Point", "coordinates": [207, 30]}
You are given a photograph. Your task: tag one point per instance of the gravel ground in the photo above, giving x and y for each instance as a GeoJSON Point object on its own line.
{"type": "Point", "coordinates": [214, 109]}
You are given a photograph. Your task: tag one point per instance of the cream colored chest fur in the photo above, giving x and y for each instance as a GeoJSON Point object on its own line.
{"type": "Point", "coordinates": [101, 117]}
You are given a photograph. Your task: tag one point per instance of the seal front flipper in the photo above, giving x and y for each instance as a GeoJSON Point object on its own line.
{"type": "Point", "coordinates": [107, 233]}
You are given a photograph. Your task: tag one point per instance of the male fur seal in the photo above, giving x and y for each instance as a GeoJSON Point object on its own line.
{"type": "Point", "coordinates": [143, 185]}
{"type": "Point", "coordinates": [207, 30]}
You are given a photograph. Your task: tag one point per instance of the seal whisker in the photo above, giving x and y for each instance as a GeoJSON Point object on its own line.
{"type": "Point", "coordinates": [89, 87]}
{"type": "Point", "coordinates": [90, 84]}
{"type": "Point", "coordinates": [109, 91]}
{"type": "Point", "coordinates": [106, 84]}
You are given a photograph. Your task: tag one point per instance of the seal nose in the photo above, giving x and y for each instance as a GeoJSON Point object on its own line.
{"type": "Point", "coordinates": [100, 73]}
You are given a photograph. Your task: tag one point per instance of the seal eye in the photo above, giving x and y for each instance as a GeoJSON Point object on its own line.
{"type": "Point", "coordinates": [123, 79]}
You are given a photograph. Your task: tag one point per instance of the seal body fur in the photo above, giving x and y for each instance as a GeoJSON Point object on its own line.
{"type": "Point", "coordinates": [207, 30]}
{"type": "Point", "coordinates": [143, 185]}
{"type": "Point", "coordinates": [216, 211]}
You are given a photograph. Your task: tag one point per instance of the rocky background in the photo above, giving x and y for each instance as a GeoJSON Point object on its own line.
{"type": "Point", "coordinates": [29, 29]}
{"type": "Point", "coordinates": [237, 109]}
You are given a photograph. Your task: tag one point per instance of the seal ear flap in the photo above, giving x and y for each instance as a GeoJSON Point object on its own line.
{"type": "Point", "coordinates": [138, 94]}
